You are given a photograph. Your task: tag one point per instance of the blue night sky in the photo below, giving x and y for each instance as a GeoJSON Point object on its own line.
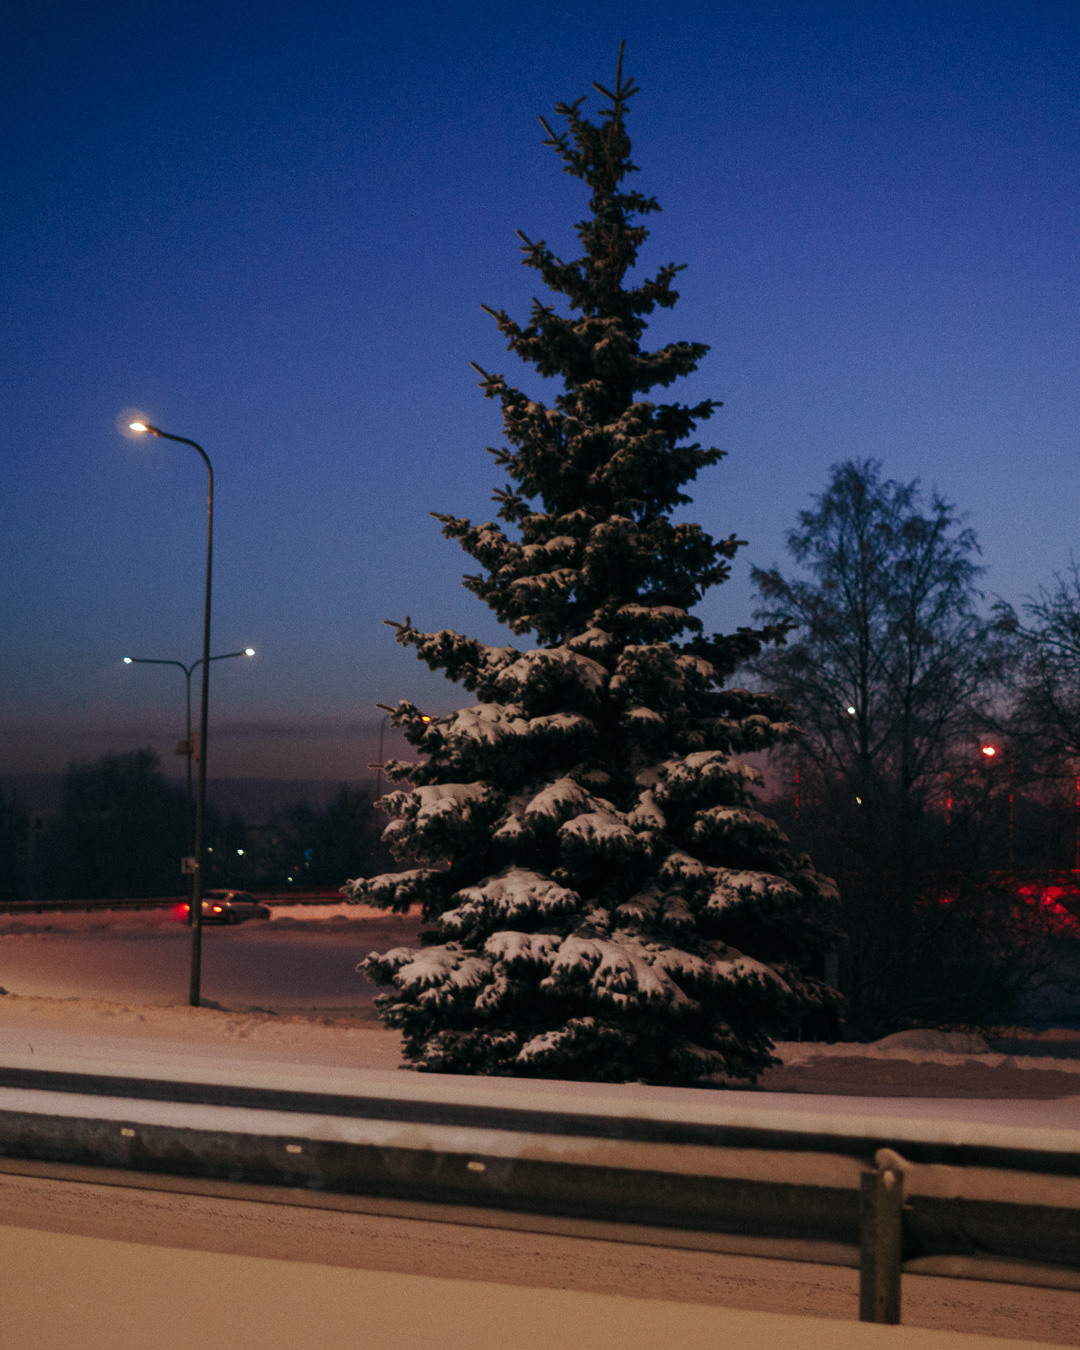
{"type": "Point", "coordinates": [270, 227]}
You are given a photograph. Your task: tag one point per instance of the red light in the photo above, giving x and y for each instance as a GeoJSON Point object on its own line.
{"type": "Point", "coordinates": [217, 909]}
{"type": "Point", "coordinates": [989, 751]}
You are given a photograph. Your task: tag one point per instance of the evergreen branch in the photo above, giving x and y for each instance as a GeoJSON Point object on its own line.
{"type": "Point", "coordinates": [622, 91]}
{"type": "Point", "coordinates": [557, 140]}
{"type": "Point", "coordinates": [401, 630]}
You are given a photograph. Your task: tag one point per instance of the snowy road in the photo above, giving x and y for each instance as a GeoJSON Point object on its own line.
{"type": "Point", "coordinates": [535, 1261]}
{"type": "Point", "coordinates": [301, 958]}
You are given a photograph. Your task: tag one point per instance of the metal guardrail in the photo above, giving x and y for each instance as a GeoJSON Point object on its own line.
{"type": "Point", "coordinates": [971, 1210]}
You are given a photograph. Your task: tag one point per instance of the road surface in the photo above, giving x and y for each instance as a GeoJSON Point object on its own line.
{"type": "Point", "coordinates": [521, 1260]}
{"type": "Point", "coordinates": [295, 960]}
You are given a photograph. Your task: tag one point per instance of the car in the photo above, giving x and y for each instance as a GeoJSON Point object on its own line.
{"type": "Point", "coordinates": [226, 907]}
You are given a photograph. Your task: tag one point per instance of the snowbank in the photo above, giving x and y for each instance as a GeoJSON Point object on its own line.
{"type": "Point", "coordinates": [1030, 1089]}
{"type": "Point", "coordinates": [925, 1046]}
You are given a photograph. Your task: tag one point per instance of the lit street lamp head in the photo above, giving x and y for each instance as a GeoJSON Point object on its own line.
{"type": "Point", "coordinates": [249, 651]}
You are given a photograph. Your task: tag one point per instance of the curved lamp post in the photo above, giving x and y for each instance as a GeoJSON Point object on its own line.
{"type": "Point", "coordinates": [200, 798]}
{"type": "Point", "coordinates": [188, 672]}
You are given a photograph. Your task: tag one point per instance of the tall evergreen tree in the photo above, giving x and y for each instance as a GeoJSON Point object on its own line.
{"type": "Point", "coordinates": [605, 901]}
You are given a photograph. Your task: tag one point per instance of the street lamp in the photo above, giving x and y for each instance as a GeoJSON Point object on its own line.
{"type": "Point", "coordinates": [382, 737]}
{"type": "Point", "coordinates": [140, 427]}
{"type": "Point", "coordinates": [989, 752]}
{"type": "Point", "coordinates": [188, 671]}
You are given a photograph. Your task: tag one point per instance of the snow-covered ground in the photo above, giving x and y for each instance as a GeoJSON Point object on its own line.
{"type": "Point", "coordinates": [112, 986]}
{"type": "Point", "coordinates": [342, 1053]}
{"type": "Point", "coordinates": [132, 1270]}
{"type": "Point", "coordinates": [108, 992]}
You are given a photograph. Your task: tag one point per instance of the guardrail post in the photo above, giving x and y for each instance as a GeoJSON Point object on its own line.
{"type": "Point", "coordinates": [881, 1223]}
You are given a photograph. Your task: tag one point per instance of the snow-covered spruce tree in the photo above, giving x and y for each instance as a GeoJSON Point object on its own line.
{"type": "Point", "coordinates": [605, 901]}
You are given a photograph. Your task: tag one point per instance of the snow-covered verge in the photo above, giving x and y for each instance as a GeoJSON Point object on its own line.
{"type": "Point", "coordinates": [276, 1015]}
{"type": "Point", "coordinates": [350, 1039]}
{"type": "Point", "coordinates": [934, 1064]}
{"type": "Point", "coordinates": [148, 1037]}
{"type": "Point", "coordinates": [952, 1048]}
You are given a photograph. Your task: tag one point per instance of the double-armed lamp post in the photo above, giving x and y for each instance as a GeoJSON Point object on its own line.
{"type": "Point", "coordinates": [200, 796]}
{"type": "Point", "coordinates": [188, 672]}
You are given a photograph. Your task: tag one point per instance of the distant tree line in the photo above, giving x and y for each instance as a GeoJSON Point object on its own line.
{"type": "Point", "coordinates": [937, 763]}
{"type": "Point", "coordinates": [122, 829]}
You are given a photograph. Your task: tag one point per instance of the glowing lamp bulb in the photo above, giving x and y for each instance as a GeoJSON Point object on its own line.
{"type": "Point", "coordinates": [137, 426]}
{"type": "Point", "coordinates": [851, 710]}
{"type": "Point", "coordinates": [989, 751]}
{"type": "Point", "coordinates": [425, 718]}
{"type": "Point", "coordinates": [249, 651]}
{"type": "Point", "coordinates": [127, 660]}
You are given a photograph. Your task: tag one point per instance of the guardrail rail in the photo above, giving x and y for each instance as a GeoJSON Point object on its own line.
{"type": "Point", "coordinates": [886, 1197]}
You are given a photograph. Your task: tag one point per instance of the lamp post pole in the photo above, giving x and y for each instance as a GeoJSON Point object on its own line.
{"type": "Point", "coordinates": [200, 797]}
{"type": "Point", "coordinates": [382, 736]}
